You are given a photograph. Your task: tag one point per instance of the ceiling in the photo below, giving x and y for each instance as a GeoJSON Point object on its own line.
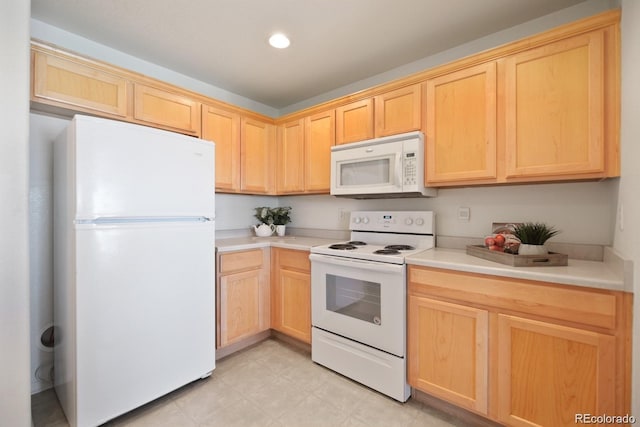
{"type": "Point", "coordinates": [333, 42]}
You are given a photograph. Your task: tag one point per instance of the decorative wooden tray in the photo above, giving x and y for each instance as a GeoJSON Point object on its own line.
{"type": "Point", "coordinates": [550, 259]}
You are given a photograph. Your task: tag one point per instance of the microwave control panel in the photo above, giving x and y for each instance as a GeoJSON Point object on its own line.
{"type": "Point", "coordinates": [410, 168]}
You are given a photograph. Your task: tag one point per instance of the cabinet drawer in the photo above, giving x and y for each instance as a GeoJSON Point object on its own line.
{"type": "Point", "coordinates": [591, 307]}
{"type": "Point", "coordinates": [295, 259]}
{"type": "Point", "coordinates": [238, 261]}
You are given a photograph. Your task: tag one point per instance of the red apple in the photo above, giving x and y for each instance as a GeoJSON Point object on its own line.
{"type": "Point", "coordinates": [489, 241]}
{"type": "Point", "coordinates": [496, 248]}
{"type": "Point", "coordinates": [499, 239]}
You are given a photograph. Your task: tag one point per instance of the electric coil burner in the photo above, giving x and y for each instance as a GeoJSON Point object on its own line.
{"type": "Point", "coordinates": [358, 298]}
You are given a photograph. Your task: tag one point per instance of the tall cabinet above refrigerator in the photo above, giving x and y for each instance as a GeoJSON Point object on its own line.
{"type": "Point", "coordinates": [134, 266]}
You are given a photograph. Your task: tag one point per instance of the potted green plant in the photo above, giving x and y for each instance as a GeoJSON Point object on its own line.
{"type": "Point", "coordinates": [264, 214]}
{"type": "Point", "coordinates": [533, 236]}
{"type": "Point", "coordinates": [281, 217]}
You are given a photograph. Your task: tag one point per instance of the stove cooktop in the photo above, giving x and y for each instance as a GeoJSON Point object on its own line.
{"type": "Point", "coordinates": [394, 254]}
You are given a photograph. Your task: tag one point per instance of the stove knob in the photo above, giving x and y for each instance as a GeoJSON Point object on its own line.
{"type": "Point", "coordinates": [408, 221]}
{"type": "Point", "coordinates": [356, 220]}
{"type": "Point", "coordinates": [365, 220]}
{"type": "Point", "coordinates": [419, 221]}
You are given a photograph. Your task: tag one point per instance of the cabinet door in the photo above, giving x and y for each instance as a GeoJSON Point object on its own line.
{"type": "Point", "coordinates": [549, 373]}
{"type": "Point", "coordinates": [78, 86]}
{"type": "Point", "coordinates": [461, 126]}
{"type": "Point", "coordinates": [256, 145]}
{"type": "Point", "coordinates": [291, 293]}
{"type": "Point", "coordinates": [554, 103]}
{"type": "Point", "coordinates": [223, 128]}
{"type": "Point", "coordinates": [290, 160]}
{"type": "Point", "coordinates": [167, 110]}
{"type": "Point", "coordinates": [320, 136]}
{"type": "Point", "coordinates": [239, 306]}
{"type": "Point", "coordinates": [354, 122]}
{"type": "Point", "coordinates": [398, 111]}
{"type": "Point", "coordinates": [448, 350]}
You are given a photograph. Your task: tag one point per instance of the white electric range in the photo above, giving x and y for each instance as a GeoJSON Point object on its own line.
{"type": "Point", "coordinates": [358, 298]}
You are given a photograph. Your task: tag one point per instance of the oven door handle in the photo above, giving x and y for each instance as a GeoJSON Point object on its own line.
{"type": "Point", "coordinates": [355, 263]}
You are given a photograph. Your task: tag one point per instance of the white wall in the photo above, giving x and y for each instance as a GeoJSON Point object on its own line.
{"type": "Point", "coordinates": [627, 230]}
{"type": "Point", "coordinates": [583, 211]}
{"type": "Point", "coordinates": [15, 403]}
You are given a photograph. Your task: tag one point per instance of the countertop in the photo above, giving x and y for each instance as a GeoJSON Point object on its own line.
{"type": "Point", "coordinates": [288, 242]}
{"type": "Point", "coordinates": [591, 274]}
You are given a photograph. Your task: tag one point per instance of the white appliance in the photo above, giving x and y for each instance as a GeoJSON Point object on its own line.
{"type": "Point", "coordinates": [392, 166]}
{"type": "Point", "coordinates": [358, 298]}
{"type": "Point", "coordinates": [134, 266]}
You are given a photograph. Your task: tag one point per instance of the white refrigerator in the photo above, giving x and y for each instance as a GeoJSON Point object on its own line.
{"type": "Point", "coordinates": [134, 266]}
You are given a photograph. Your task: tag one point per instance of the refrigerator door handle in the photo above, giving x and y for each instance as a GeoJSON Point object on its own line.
{"type": "Point", "coordinates": [141, 219]}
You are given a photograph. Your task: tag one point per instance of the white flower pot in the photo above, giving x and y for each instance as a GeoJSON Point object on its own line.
{"type": "Point", "coordinates": [526, 249]}
{"type": "Point", "coordinates": [280, 229]}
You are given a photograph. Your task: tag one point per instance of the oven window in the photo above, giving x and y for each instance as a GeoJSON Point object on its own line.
{"type": "Point", "coordinates": [354, 298]}
{"type": "Point", "coordinates": [369, 172]}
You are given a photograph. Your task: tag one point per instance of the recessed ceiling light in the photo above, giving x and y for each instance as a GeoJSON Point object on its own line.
{"type": "Point", "coordinates": [279, 40]}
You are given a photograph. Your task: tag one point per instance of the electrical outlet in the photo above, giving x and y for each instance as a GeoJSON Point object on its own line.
{"type": "Point", "coordinates": [464, 214]}
{"type": "Point", "coordinates": [344, 217]}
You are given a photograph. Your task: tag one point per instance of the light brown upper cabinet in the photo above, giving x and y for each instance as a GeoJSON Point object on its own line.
{"type": "Point", "coordinates": [290, 157]}
{"type": "Point", "coordinates": [319, 138]}
{"type": "Point", "coordinates": [78, 85]}
{"type": "Point", "coordinates": [398, 111]}
{"type": "Point", "coordinates": [256, 152]}
{"type": "Point", "coordinates": [168, 110]}
{"type": "Point", "coordinates": [461, 126]}
{"type": "Point", "coordinates": [304, 154]}
{"type": "Point", "coordinates": [555, 109]}
{"type": "Point", "coordinates": [354, 121]}
{"type": "Point", "coordinates": [223, 128]}
{"type": "Point", "coordinates": [388, 113]}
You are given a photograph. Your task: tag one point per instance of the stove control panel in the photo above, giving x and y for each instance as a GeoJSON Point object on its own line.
{"type": "Point", "coordinates": [417, 222]}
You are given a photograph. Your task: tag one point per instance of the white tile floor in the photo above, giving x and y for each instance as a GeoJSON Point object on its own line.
{"type": "Point", "coordinates": [270, 384]}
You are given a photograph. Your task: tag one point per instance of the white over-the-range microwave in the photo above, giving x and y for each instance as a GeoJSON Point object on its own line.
{"type": "Point", "coordinates": [392, 166]}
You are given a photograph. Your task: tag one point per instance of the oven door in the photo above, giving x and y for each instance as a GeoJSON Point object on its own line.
{"type": "Point", "coordinates": [361, 300]}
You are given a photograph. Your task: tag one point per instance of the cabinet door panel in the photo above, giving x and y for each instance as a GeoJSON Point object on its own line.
{"type": "Point", "coordinates": [554, 98]}
{"type": "Point", "coordinates": [319, 138]}
{"type": "Point", "coordinates": [290, 160]}
{"type": "Point", "coordinates": [295, 304]}
{"type": "Point", "coordinates": [223, 128]}
{"type": "Point", "coordinates": [78, 86]}
{"type": "Point", "coordinates": [448, 351]}
{"type": "Point", "coordinates": [256, 144]}
{"type": "Point", "coordinates": [549, 373]}
{"type": "Point", "coordinates": [398, 111]}
{"type": "Point", "coordinates": [461, 126]}
{"type": "Point", "coordinates": [239, 306]}
{"type": "Point", "coordinates": [166, 109]}
{"type": "Point", "coordinates": [354, 122]}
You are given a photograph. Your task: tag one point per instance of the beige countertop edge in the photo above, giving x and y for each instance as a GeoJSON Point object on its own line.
{"type": "Point", "coordinates": [287, 242]}
{"type": "Point", "coordinates": [590, 274]}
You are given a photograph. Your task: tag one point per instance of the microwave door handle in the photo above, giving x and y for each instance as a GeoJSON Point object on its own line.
{"type": "Point", "coordinates": [399, 171]}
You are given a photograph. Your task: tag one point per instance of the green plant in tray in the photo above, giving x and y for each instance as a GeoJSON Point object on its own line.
{"type": "Point", "coordinates": [534, 233]}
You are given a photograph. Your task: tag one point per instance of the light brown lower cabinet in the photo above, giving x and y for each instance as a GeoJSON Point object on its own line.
{"type": "Point", "coordinates": [449, 343]}
{"type": "Point", "coordinates": [519, 352]}
{"type": "Point", "coordinates": [242, 295]}
{"type": "Point", "coordinates": [291, 293]}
